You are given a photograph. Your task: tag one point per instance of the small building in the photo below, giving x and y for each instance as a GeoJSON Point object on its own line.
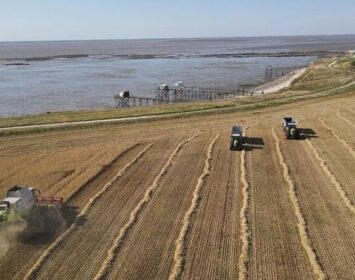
{"type": "Point", "coordinates": [351, 52]}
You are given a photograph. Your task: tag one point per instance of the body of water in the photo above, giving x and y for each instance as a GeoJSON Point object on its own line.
{"type": "Point", "coordinates": [38, 77]}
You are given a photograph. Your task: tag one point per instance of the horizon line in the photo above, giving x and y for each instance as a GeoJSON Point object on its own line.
{"type": "Point", "coordinates": [173, 38]}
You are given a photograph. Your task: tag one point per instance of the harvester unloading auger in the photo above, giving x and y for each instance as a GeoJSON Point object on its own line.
{"type": "Point", "coordinates": [20, 201]}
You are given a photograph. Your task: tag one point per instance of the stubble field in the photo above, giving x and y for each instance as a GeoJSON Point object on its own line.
{"type": "Point", "coordinates": [169, 200]}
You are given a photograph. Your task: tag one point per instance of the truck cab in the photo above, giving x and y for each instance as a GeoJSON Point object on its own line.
{"type": "Point", "coordinates": [236, 138]}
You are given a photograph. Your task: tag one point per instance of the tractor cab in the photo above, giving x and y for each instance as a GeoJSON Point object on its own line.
{"type": "Point", "coordinates": [236, 138]}
{"type": "Point", "coordinates": [290, 128]}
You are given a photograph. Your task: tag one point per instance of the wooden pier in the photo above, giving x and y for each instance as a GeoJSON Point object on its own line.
{"type": "Point", "coordinates": [181, 94]}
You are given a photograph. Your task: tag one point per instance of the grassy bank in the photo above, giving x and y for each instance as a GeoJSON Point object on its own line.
{"type": "Point", "coordinates": [75, 116]}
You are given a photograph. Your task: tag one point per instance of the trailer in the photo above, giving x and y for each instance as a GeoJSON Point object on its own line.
{"type": "Point", "coordinates": [237, 139]}
{"type": "Point", "coordinates": [290, 128]}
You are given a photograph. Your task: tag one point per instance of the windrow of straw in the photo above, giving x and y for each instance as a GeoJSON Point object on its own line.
{"type": "Point", "coordinates": [180, 250]}
{"type": "Point", "coordinates": [345, 119]}
{"type": "Point", "coordinates": [346, 145]}
{"type": "Point", "coordinates": [301, 225]}
{"type": "Point", "coordinates": [244, 224]}
{"type": "Point", "coordinates": [332, 178]}
{"type": "Point", "coordinates": [134, 216]}
{"type": "Point", "coordinates": [31, 274]}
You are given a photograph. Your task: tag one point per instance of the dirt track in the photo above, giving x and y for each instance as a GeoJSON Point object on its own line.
{"type": "Point", "coordinates": [77, 164]}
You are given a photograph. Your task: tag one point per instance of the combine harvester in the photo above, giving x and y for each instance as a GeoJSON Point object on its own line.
{"type": "Point", "coordinates": [21, 200]}
{"type": "Point", "coordinates": [237, 138]}
{"type": "Point", "coordinates": [290, 128]}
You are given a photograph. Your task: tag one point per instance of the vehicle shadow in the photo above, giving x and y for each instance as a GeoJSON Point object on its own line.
{"type": "Point", "coordinates": [253, 143]}
{"type": "Point", "coordinates": [45, 224]}
{"type": "Point", "coordinates": [70, 213]}
{"type": "Point", "coordinates": [307, 133]}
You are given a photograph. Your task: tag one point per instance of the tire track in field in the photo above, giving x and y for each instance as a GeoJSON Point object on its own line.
{"type": "Point", "coordinates": [346, 145]}
{"type": "Point", "coordinates": [179, 255]}
{"type": "Point", "coordinates": [245, 234]}
{"type": "Point", "coordinates": [47, 253]}
{"type": "Point", "coordinates": [332, 177]}
{"type": "Point", "coordinates": [302, 225]}
{"type": "Point", "coordinates": [106, 266]}
{"type": "Point", "coordinates": [58, 187]}
{"type": "Point", "coordinates": [345, 119]}
{"type": "Point", "coordinates": [101, 172]}
{"type": "Point", "coordinates": [91, 182]}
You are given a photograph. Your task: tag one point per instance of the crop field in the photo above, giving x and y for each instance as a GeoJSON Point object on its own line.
{"type": "Point", "coordinates": [169, 200]}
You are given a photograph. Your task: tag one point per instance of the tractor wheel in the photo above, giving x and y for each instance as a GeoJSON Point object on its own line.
{"type": "Point", "coordinates": [297, 136]}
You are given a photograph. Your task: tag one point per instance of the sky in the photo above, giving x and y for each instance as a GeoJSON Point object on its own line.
{"type": "Point", "coordinates": [28, 20]}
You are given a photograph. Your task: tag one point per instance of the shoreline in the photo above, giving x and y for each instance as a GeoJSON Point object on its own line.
{"type": "Point", "coordinates": [280, 83]}
{"type": "Point", "coordinates": [264, 88]}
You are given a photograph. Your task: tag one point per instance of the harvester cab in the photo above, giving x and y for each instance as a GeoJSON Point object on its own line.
{"type": "Point", "coordinates": [4, 210]}
{"type": "Point", "coordinates": [290, 128]}
{"type": "Point", "coordinates": [236, 138]}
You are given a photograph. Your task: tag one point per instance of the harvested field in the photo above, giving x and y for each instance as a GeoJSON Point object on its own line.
{"type": "Point", "coordinates": [170, 199]}
{"type": "Point", "coordinates": [320, 201]}
{"type": "Point", "coordinates": [214, 255]}
{"type": "Point", "coordinates": [93, 236]}
{"type": "Point", "coordinates": [347, 118]}
{"type": "Point", "coordinates": [301, 222]}
{"type": "Point", "coordinates": [337, 155]}
{"type": "Point", "coordinates": [272, 216]}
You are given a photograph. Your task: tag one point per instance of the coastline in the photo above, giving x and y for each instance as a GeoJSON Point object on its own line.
{"type": "Point", "coordinates": [280, 83]}
{"type": "Point", "coordinates": [71, 119]}
{"type": "Point", "coordinates": [67, 117]}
